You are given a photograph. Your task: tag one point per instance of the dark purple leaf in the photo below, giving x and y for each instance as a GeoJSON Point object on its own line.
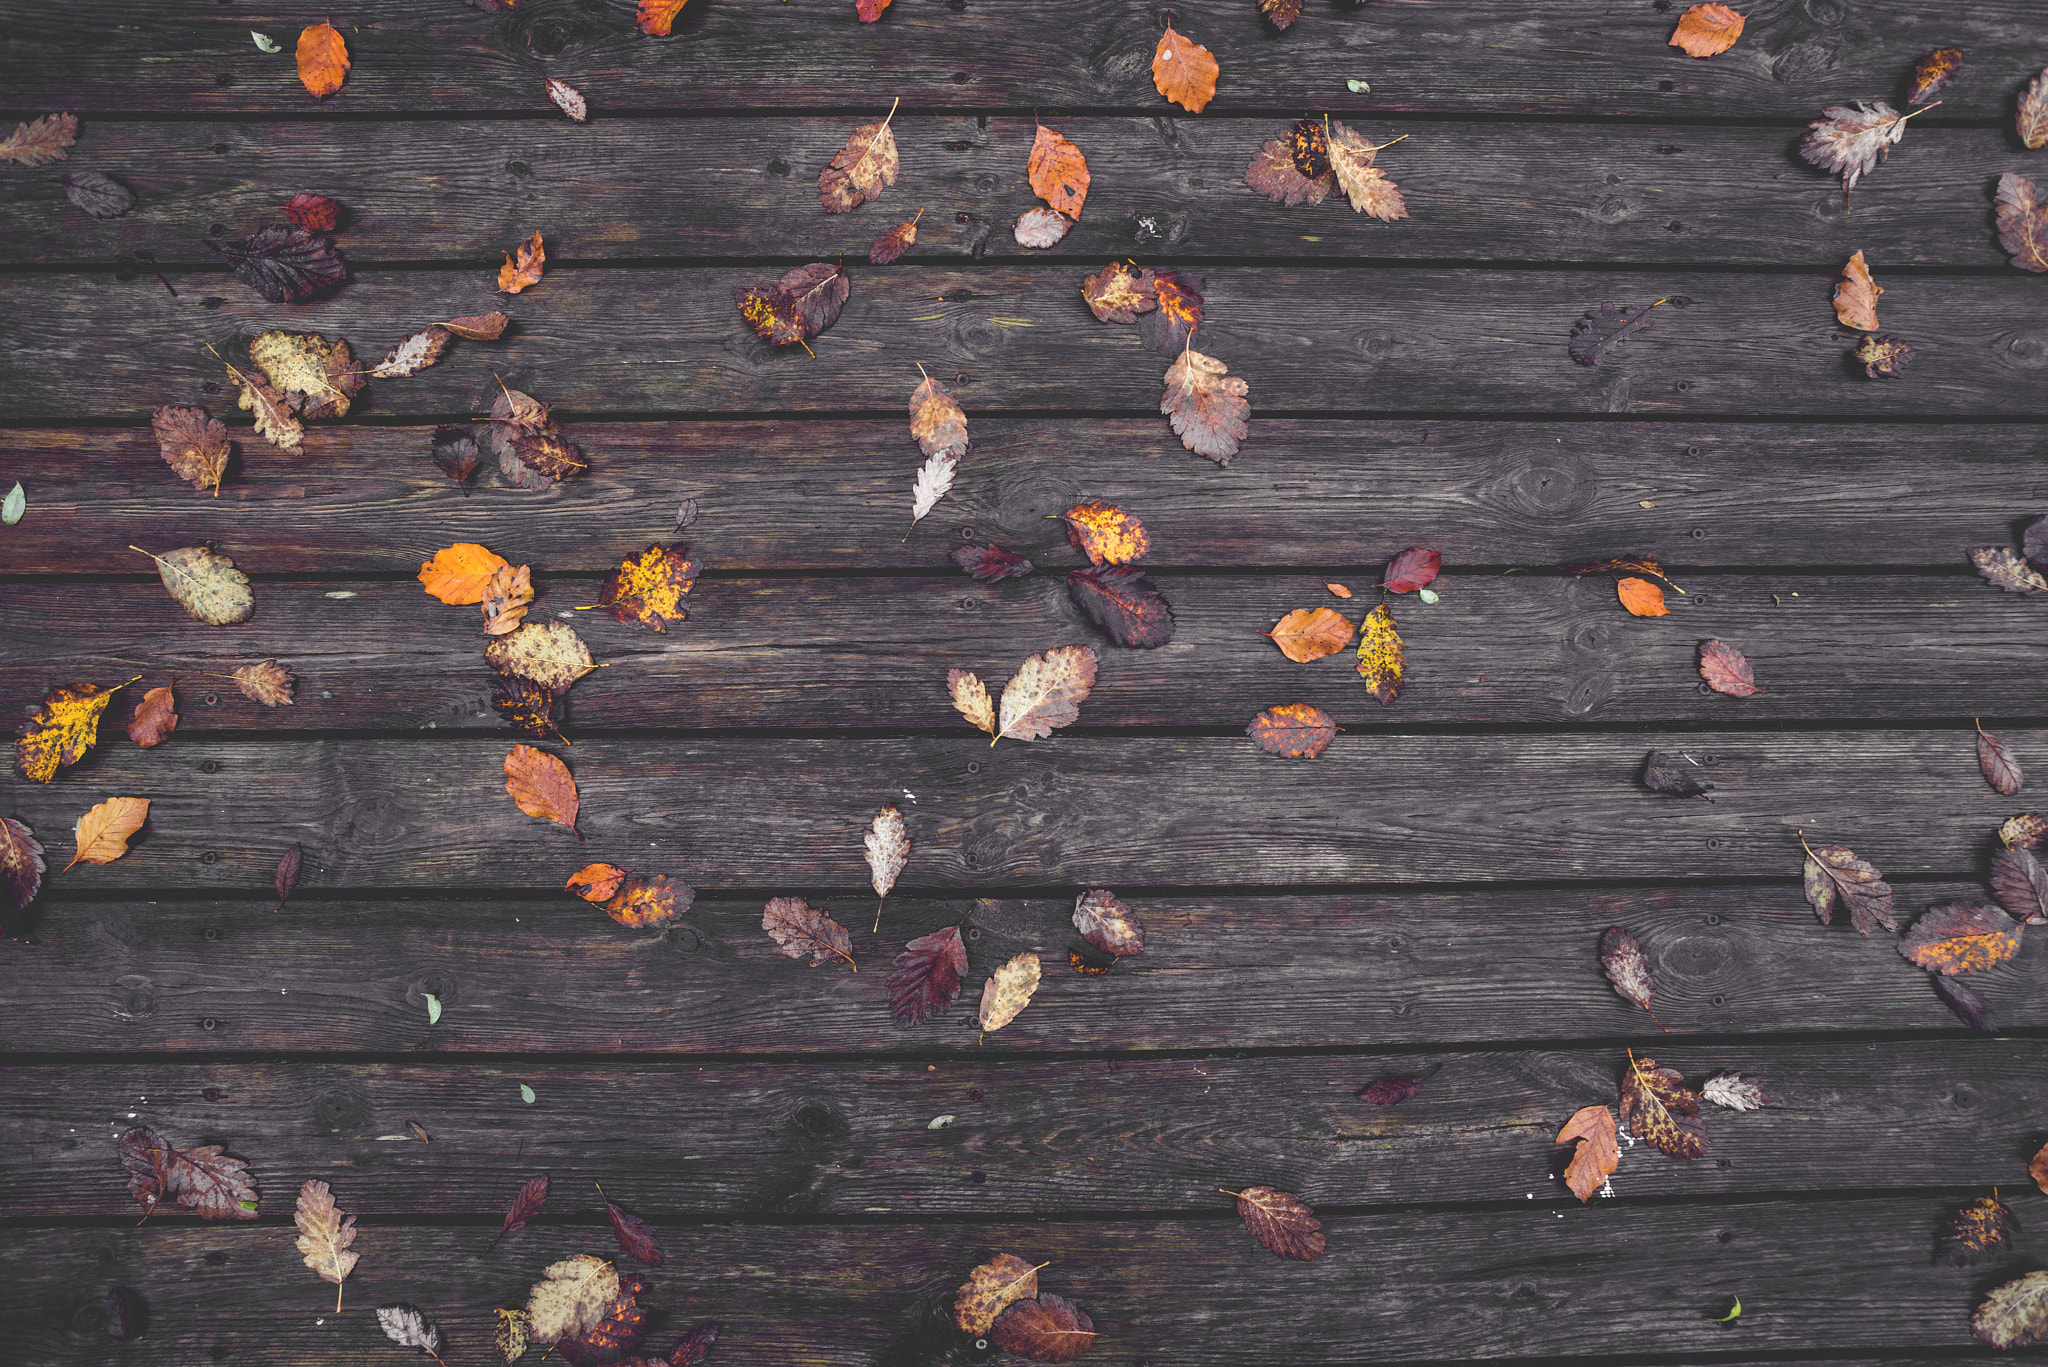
{"type": "Point", "coordinates": [1669, 775]}
{"type": "Point", "coordinates": [990, 563]}
{"type": "Point", "coordinates": [287, 875]}
{"type": "Point", "coordinates": [2021, 884]}
{"type": "Point", "coordinates": [284, 263]}
{"type": "Point", "coordinates": [1123, 604]}
{"type": "Point", "coordinates": [1970, 1008]}
{"type": "Point", "coordinates": [695, 1345]}
{"type": "Point", "coordinates": [2035, 544]}
{"type": "Point", "coordinates": [1391, 1091]}
{"type": "Point", "coordinates": [926, 977]}
{"type": "Point", "coordinates": [633, 1234]}
{"type": "Point", "coordinates": [1594, 335]}
{"type": "Point", "coordinates": [101, 196]}
{"type": "Point", "coordinates": [124, 1313]}
{"type": "Point", "coordinates": [454, 451]}
{"type": "Point", "coordinates": [525, 1206]}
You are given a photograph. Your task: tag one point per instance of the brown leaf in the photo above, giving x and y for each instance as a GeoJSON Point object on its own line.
{"type": "Point", "coordinates": [516, 275]}
{"type": "Point", "coordinates": [317, 377]}
{"type": "Point", "coordinates": [1658, 1107]}
{"type": "Point", "coordinates": [1294, 730]}
{"type": "Point", "coordinates": [1706, 30]}
{"type": "Point", "coordinates": [2006, 569]}
{"type": "Point", "coordinates": [1382, 661]}
{"type": "Point", "coordinates": [989, 563]}
{"type": "Point", "coordinates": [21, 867]}
{"type": "Point", "coordinates": [2031, 118]}
{"type": "Point", "coordinates": [34, 144]}
{"type": "Point", "coordinates": [1008, 991]}
{"type": "Point", "coordinates": [1413, 569]}
{"type": "Point", "coordinates": [1882, 357]}
{"type": "Point", "coordinates": [2022, 217]}
{"type": "Point", "coordinates": [1363, 183]}
{"type": "Point", "coordinates": [1851, 142]}
{"type": "Point", "coordinates": [506, 599]}
{"type": "Point", "coordinates": [1834, 870]}
{"type": "Point", "coordinates": [541, 785]}
{"type": "Point", "coordinates": [193, 443]}
{"type": "Point", "coordinates": [2020, 884]}
{"type": "Point", "coordinates": [895, 242]}
{"type": "Point", "coordinates": [1183, 71]}
{"type": "Point", "coordinates": [1123, 604]}
{"type": "Point", "coordinates": [926, 976]}
{"type": "Point", "coordinates": [803, 303]}
{"type": "Point", "coordinates": [634, 1234]}
{"type": "Point", "coordinates": [1340, 590]}
{"type": "Point", "coordinates": [649, 588]}
{"type": "Point", "coordinates": [314, 213]}
{"type": "Point", "coordinates": [286, 879]}
{"type": "Point", "coordinates": [1856, 296]}
{"type": "Point", "coordinates": [1392, 1091]}
{"type": "Point", "coordinates": [1725, 669]}
{"type": "Point", "coordinates": [283, 263]}
{"type": "Point", "coordinates": [461, 574]}
{"type": "Point", "coordinates": [1106, 534]}
{"type": "Point", "coordinates": [1169, 326]}
{"type": "Point", "coordinates": [861, 170]}
{"type": "Point", "coordinates": [1275, 174]}
{"type": "Point", "coordinates": [1058, 171]}
{"type": "Point", "coordinates": [203, 1180]}
{"type": "Point", "coordinates": [1119, 292]}
{"type": "Point", "coordinates": [2001, 770]}
{"type": "Point", "coordinates": [153, 719]}
{"type": "Point", "coordinates": [1641, 598]}
{"type": "Point", "coordinates": [524, 1207]}
{"type": "Point", "coordinates": [1106, 923]}
{"type": "Point", "coordinates": [1041, 227]}
{"type": "Point", "coordinates": [324, 1236]}
{"type": "Point", "coordinates": [798, 928]}
{"type": "Point", "coordinates": [936, 420]}
{"type": "Point", "coordinates": [991, 1289]}
{"type": "Point", "coordinates": [1207, 406]}
{"type": "Point", "coordinates": [1598, 1153]}
{"type": "Point", "coordinates": [971, 700]}
{"type": "Point", "coordinates": [649, 903]}
{"type": "Point", "coordinates": [276, 423]}
{"type": "Point", "coordinates": [549, 453]}
{"type": "Point", "coordinates": [1934, 73]}
{"type": "Point", "coordinates": [414, 353]}
{"type": "Point", "coordinates": [1050, 1328]}
{"type": "Point", "coordinates": [102, 833]}
{"type": "Point", "coordinates": [1046, 693]}
{"type": "Point", "coordinates": [1628, 968]}
{"type": "Point", "coordinates": [597, 882]}
{"type": "Point", "coordinates": [656, 18]}
{"type": "Point", "coordinates": [1308, 634]}
{"type": "Point", "coordinates": [479, 327]}
{"type": "Point", "coordinates": [61, 729]}
{"type": "Point", "coordinates": [1977, 1231]}
{"type": "Point", "coordinates": [323, 59]}
{"type": "Point", "coordinates": [269, 683]}
{"type": "Point", "coordinates": [1961, 937]}
{"type": "Point", "coordinates": [99, 195]}
{"type": "Point", "coordinates": [570, 101]}
{"type": "Point", "coordinates": [1281, 14]}
{"type": "Point", "coordinates": [2015, 1314]}
{"type": "Point", "coordinates": [887, 843]}
{"type": "Point", "coordinates": [1664, 774]}
{"type": "Point", "coordinates": [1281, 1222]}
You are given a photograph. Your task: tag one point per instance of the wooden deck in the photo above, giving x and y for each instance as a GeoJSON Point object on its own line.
{"type": "Point", "coordinates": [1427, 895]}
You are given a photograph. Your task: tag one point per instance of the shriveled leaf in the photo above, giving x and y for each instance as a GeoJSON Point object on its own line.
{"type": "Point", "coordinates": [21, 867]}
{"type": "Point", "coordinates": [597, 882]}
{"type": "Point", "coordinates": [934, 481]}
{"type": "Point", "coordinates": [1008, 991]}
{"type": "Point", "coordinates": [1280, 1221]}
{"type": "Point", "coordinates": [408, 1327]}
{"type": "Point", "coordinates": [479, 327]}
{"type": "Point", "coordinates": [276, 420]}
{"type": "Point", "coordinates": [2006, 569]}
{"type": "Point", "coordinates": [1106, 534]}
{"type": "Point", "coordinates": [1627, 967]}
{"type": "Point", "coordinates": [1169, 326]}
{"type": "Point", "coordinates": [656, 18]}
{"type": "Point", "coordinates": [892, 244]}
{"type": "Point", "coordinates": [316, 377]}
{"type": "Point", "coordinates": [315, 213]}
{"type": "Point", "coordinates": [1959, 997]}
{"type": "Point", "coordinates": [2022, 216]}
{"type": "Point", "coordinates": [1058, 172]}
{"type": "Point", "coordinates": [506, 599]}
{"type": "Point", "coordinates": [551, 654]}
{"type": "Point", "coordinates": [1048, 1328]}
{"type": "Point", "coordinates": [524, 271]}
{"type": "Point", "coordinates": [1046, 693]}
{"type": "Point", "coordinates": [509, 1338]}
{"type": "Point", "coordinates": [540, 784]}
{"type": "Point", "coordinates": [461, 574]}
{"type": "Point", "coordinates": [269, 683]}
{"type": "Point", "coordinates": [971, 700]}
{"type": "Point", "coordinates": [1725, 669]}
{"type": "Point", "coordinates": [532, 1196]}
{"type": "Point", "coordinates": [1119, 292]}
{"type": "Point", "coordinates": [99, 195]}
{"type": "Point", "coordinates": [1598, 1151]}
{"type": "Point", "coordinates": [413, 354]}
{"type": "Point", "coordinates": [1281, 14]}
{"type": "Point", "coordinates": [1735, 1092]}
{"type": "Point", "coordinates": [1382, 661]}
{"type": "Point", "coordinates": [636, 1237]}
{"type": "Point", "coordinates": [1106, 923]}
{"type": "Point", "coordinates": [2001, 769]}
{"type": "Point", "coordinates": [926, 976]}
{"type": "Point", "coordinates": [42, 141]}
{"type": "Point", "coordinates": [1363, 183]}
{"type": "Point", "coordinates": [124, 1313]}
{"type": "Point", "coordinates": [1122, 603]}
{"type": "Point", "coordinates": [1668, 775]}
{"type": "Point", "coordinates": [1707, 30]}
{"type": "Point", "coordinates": [887, 843]}
{"type": "Point", "coordinates": [1834, 871]}
{"type": "Point", "coordinates": [1851, 141]}
{"type": "Point", "coordinates": [798, 928]}
{"type": "Point", "coordinates": [649, 903]}
{"type": "Point", "coordinates": [991, 1289]}
{"type": "Point", "coordinates": [1600, 330]}
{"type": "Point", "coordinates": [203, 1180]}
{"type": "Point", "coordinates": [989, 563]}
{"type": "Point", "coordinates": [2020, 883]}
{"type": "Point", "coordinates": [936, 420]}
{"type": "Point", "coordinates": [1206, 405]}
{"type": "Point", "coordinates": [1295, 730]}
{"type": "Point", "coordinates": [861, 170]}
{"type": "Point", "coordinates": [648, 588]}
{"type": "Point", "coordinates": [691, 1349]}
{"type": "Point", "coordinates": [325, 1235]}
{"type": "Point", "coordinates": [1183, 71]}
{"type": "Point", "coordinates": [1041, 227]}
{"type": "Point", "coordinates": [2031, 116]}
{"type": "Point", "coordinates": [569, 100]}
{"type": "Point", "coordinates": [1977, 1231]}
{"type": "Point", "coordinates": [193, 443]}
{"type": "Point", "coordinates": [1659, 1108]}
{"type": "Point", "coordinates": [1856, 296]}
{"type": "Point", "coordinates": [1961, 937]}
{"type": "Point", "coordinates": [323, 59]}
{"type": "Point", "coordinates": [1088, 963]}
{"type": "Point", "coordinates": [284, 263]}
{"type": "Point", "coordinates": [154, 718]}
{"type": "Point", "coordinates": [63, 726]}
{"type": "Point", "coordinates": [286, 879]}
{"type": "Point", "coordinates": [571, 1297]}
{"type": "Point", "coordinates": [1883, 357]}
{"type": "Point", "coordinates": [2014, 1314]}
{"type": "Point", "coordinates": [1934, 73]}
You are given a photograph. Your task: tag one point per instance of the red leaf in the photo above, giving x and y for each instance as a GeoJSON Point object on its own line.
{"type": "Point", "coordinates": [1414, 568]}
{"type": "Point", "coordinates": [525, 1206]}
{"type": "Point", "coordinates": [1392, 1091]}
{"type": "Point", "coordinates": [1725, 670]}
{"type": "Point", "coordinates": [316, 213]}
{"type": "Point", "coordinates": [927, 976]}
{"type": "Point", "coordinates": [633, 1234]}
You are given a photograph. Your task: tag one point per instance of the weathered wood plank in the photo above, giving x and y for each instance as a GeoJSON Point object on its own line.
{"type": "Point", "coordinates": [1491, 55]}
{"type": "Point", "coordinates": [1365, 971]}
{"type": "Point", "coordinates": [1353, 340]}
{"type": "Point", "coordinates": [773, 1140]}
{"type": "Point", "coordinates": [1377, 808]}
{"type": "Point", "coordinates": [778, 652]}
{"type": "Point", "coordinates": [1305, 493]}
{"type": "Point", "coordinates": [1162, 188]}
{"type": "Point", "coordinates": [1519, 1282]}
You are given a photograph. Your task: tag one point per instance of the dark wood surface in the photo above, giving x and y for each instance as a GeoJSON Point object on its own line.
{"type": "Point", "coordinates": [1428, 897]}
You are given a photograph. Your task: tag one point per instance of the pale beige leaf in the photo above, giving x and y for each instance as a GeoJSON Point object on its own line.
{"type": "Point", "coordinates": [1368, 188]}
{"type": "Point", "coordinates": [325, 1235]}
{"type": "Point", "coordinates": [934, 482]}
{"type": "Point", "coordinates": [570, 1298]}
{"type": "Point", "coordinates": [1046, 692]}
{"type": "Point", "coordinates": [888, 846]}
{"type": "Point", "coordinates": [971, 700]}
{"type": "Point", "coordinates": [206, 584]}
{"type": "Point", "coordinates": [269, 683]}
{"type": "Point", "coordinates": [1009, 991]}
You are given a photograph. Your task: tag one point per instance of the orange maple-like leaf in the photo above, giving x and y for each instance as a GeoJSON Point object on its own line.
{"type": "Point", "coordinates": [1641, 598]}
{"type": "Point", "coordinates": [515, 276]}
{"type": "Point", "coordinates": [1184, 71]}
{"type": "Point", "coordinates": [541, 785]}
{"type": "Point", "coordinates": [323, 59]}
{"type": "Point", "coordinates": [1598, 1153]}
{"type": "Point", "coordinates": [1059, 173]}
{"type": "Point", "coordinates": [461, 574]}
{"type": "Point", "coordinates": [1856, 296]}
{"type": "Point", "coordinates": [1705, 30]}
{"type": "Point", "coordinates": [657, 17]}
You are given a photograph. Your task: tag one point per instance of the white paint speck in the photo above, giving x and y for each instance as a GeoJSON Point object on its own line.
{"type": "Point", "coordinates": [342, 593]}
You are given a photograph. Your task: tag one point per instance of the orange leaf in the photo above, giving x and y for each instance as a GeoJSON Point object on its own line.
{"type": "Point", "coordinates": [323, 59]}
{"type": "Point", "coordinates": [153, 718]}
{"type": "Point", "coordinates": [1059, 173]}
{"type": "Point", "coordinates": [1184, 72]}
{"type": "Point", "coordinates": [1597, 1156]}
{"type": "Point", "coordinates": [657, 17]}
{"type": "Point", "coordinates": [1295, 730]}
{"type": "Point", "coordinates": [1856, 296]}
{"type": "Point", "coordinates": [1642, 598]}
{"type": "Point", "coordinates": [648, 902]}
{"type": "Point", "coordinates": [1705, 30]}
{"type": "Point", "coordinates": [1105, 533]}
{"type": "Point", "coordinates": [103, 832]}
{"type": "Point", "coordinates": [515, 276]}
{"type": "Point", "coordinates": [1307, 634]}
{"type": "Point", "coordinates": [460, 574]}
{"type": "Point", "coordinates": [541, 785]}
{"type": "Point", "coordinates": [596, 882]}
{"type": "Point", "coordinates": [1339, 590]}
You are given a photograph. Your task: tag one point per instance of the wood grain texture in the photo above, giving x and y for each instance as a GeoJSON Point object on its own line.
{"type": "Point", "coordinates": [786, 1139]}
{"type": "Point", "coordinates": [382, 655]}
{"type": "Point", "coordinates": [1357, 970]}
{"type": "Point", "coordinates": [1601, 1280]}
{"type": "Point", "coordinates": [1163, 188]}
{"type": "Point", "coordinates": [1343, 496]}
{"type": "Point", "coordinates": [1494, 55]}
{"type": "Point", "coordinates": [1329, 339]}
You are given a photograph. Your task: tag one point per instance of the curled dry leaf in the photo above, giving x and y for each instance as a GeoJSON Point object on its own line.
{"type": "Point", "coordinates": [269, 683]}
{"type": "Point", "coordinates": [323, 59]}
{"type": "Point", "coordinates": [892, 244]}
{"type": "Point", "coordinates": [206, 584]}
{"type": "Point", "coordinates": [314, 213]}
{"type": "Point", "coordinates": [934, 481]}
{"type": "Point", "coordinates": [1106, 534]}
{"type": "Point", "coordinates": [1279, 1220]}
{"type": "Point", "coordinates": [1123, 604]}
{"type": "Point", "coordinates": [926, 976]}
{"type": "Point", "coordinates": [649, 903]}
{"type": "Point", "coordinates": [1295, 730]}
{"type": "Point", "coordinates": [506, 599]}
{"type": "Point", "coordinates": [1413, 569]}
{"type": "Point", "coordinates": [413, 354]}
{"type": "Point", "coordinates": [1961, 937]}
{"type": "Point", "coordinates": [569, 100]}
{"type": "Point", "coordinates": [2014, 1314]}
{"type": "Point", "coordinates": [570, 1298]}
{"type": "Point", "coordinates": [1735, 1092]}
{"type": "Point", "coordinates": [1046, 693]}
{"type": "Point", "coordinates": [203, 1180]}
{"type": "Point", "coordinates": [1628, 968]}
{"type": "Point", "coordinates": [1363, 183]}
{"type": "Point", "coordinates": [1119, 292]}
{"type": "Point", "coordinates": [1184, 72]}
{"type": "Point", "coordinates": [1852, 141]}
{"type": "Point", "coordinates": [2022, 217]}
{"type": "Point", "coordinates": [1833, 871]}
{"type": "Point", "coordinates": [1206, 405]}
{"type": "Point", "coordinates": [1725, 669]}
{"type": "Point", "coordinates": [1666, 774]}
{"type": "Point", "coordinates": [525, 271]}
{"type": "Point", "coordinates": [1934, 73]}
{"type": "Point", "coordinates": [1281, 14]}
{"type": "Point", "coordinates": [2001, 770]}
{"type": "Point", "coordinates": [284, 263]}
{"type": "Point", "coordinates": [193, 443]}
{"type": "Point", "coordinates": [1856, 296]}
{"type": "Point", "coordinates": [61, 728]}
{"type": "Point", "coordinates": [1658, 1107]}
{"type": "Point", "coordinates": [1169, 326]}
{"type": "Point", "coordinates": [991, 1289]}
{"type": "Point", "coordinates": [1058, 171]}
{"type": "Point", "coordinates": [40, 142]}
{"type": "Point", "coordinates": [2020, 884]}
{"type": "Point", "coordinates": [796, 308]}
{"type": "Point", "coordinates": [861, 170]}
{"type": "Point", "coordinates": [1008, 991]}
{"type": "Point", "coordinates": [324, 1236]}
{"type": "Point", "coordinates": [888, 848]}
{"type": "Point", "coordinates": [1600, 330]}
{"type": "Point", "coordinates": [276, 423]}
{"type": "Point", "coordinates": [316, 378]}
{"type": "Point", "coordinates": [1597, 1153]}
{"type": "Point", "coordinates": [2031, 116]}
{"type": "Point", "coordinates": [656, 18]}
{"type": "Point", "coordinates": [1308, 634]}
{"type": "Point", "coordinates": [1041, 227]}
{"type": "Point", "coordinates": [1050, 1328]}
{"type": "Point", "coordinates": [461, 574]}
{"type": "Point", "coordinates": [989, 563]}
{"type": "Point", "coordinates": [524, 1207]}
{"type": "Point", "coordinates": [286, 879]}
{"type": "Point", "coordinates": [1382, 661]}
{"type": "Point", "coordinates": [2008, 570]}
{"type": "Point", "coordinates": [648, 588]}
{"type": "Point", "coordinates": [798, 928]}
{"type": "Point", "coordinates": [1107, 924]}
{"type": "Point", "coordinates": [2023, 832]}
{"type": "Point", "coordinates": [540, 784]}
{"type": "Point", "coordinates": [1641, 598]}
{"type": "Point", "coordinates": [1977, 1231]}
{"type": "Point", "coordinates": [21, 868]}
{"type": "Point", "coordinates": [1707, 30]}
{"type": "Point", "coordinates": [154, 718]}
{"type": "Point", "coordinates": [2037, 1168]}
{"type": "Point", "coordinates": [690, 1350]}
{"type": "Point", "coordinates": [101, 196]}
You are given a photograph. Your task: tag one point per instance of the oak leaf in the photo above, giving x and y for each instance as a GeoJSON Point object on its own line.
{"type": "Point", "coordinates": [1852, 141]}
{"type": "Point", "coordinates": [1970, 1008]}
{"type": "Point", "coordinates": [1105, 533]}
{"type": "Point", "coordinates": [649, 902]}
{"type": "Point", "coordinates": [40, 142]}
{"type": "Point", "coordinates": [926, 976]}
{"type": "Point", "coordinates": [1046, 693]}
{"type": "Point", "coordinates": [461, 574]}
{"type": "Point", "coordinates": [1734, 1092]}
{"type": "Point", "coordinates": [1106, 923]}
{"type": "Point", "coordinates": [413, 353]}
{"type": "Point", "coordinates": [570, 1298]}
{"type": "Point", "coordinates": [1123, 604]}
{"type": "Point", "coordinates": [648, 588]}
{"type": "Point", "coordinates": [798, 928]}
{"type": "Point", "coordinates": [892, 244]}
{"type": "Point", "coordinates": [315, 213]}
{"type": "Point", "coordinates": [269, 683]}
{"type": "Point", "coordinates": [323, 59]}
{"type": "Point", "coordinates": [21, 866]}
{"type": "Point", "coordinates": [1628, 968]}
{"type": "Point", "coordinates": [1413, 569]}
{"type": "Point", "coordinates": [1856, 296]}
{"type": "Point", "coordinates": [2008, 571]}
{"type": "Point", "coordinates": [1659, 1108]}
{"type": "Point", "coordinates": [597, 882]}
{"type": "Point", "coordinates": [1833, 871]}
{"type": "Point", "coordinates": [971, 700]}
{"type": "Point", "coordinates": [1663, 773]}
{"type": "Point", "coordinates": [1280, 1221]}
{"type": "Point", "coordinates": [1041, 227]}
{"type": "Point", "coordinates": [636, 1237]}
{"type": "Point", "coordinates": [1961, 937]}
{"type": "Point", "coordinates": [796, 308]}
{"type": "Point", "coordinates": [99, 195]}
{"type": "Point", "coordinates": [276, 420]}
{"type": "Point", "coordinates": [1363, 183]}
{"type": "Point", "coordinates": [1641, 598]}
{"type": "Point", "coordinates": [861, 170]}
{"type": "Point", "coordinates": [936, 420]}
{"type": "Point", "coordinates": [193, 443]}
{"type": "Point", "coordinates": [1598, 1151]}
{"type": "Point", "coordinates": [934, 481]}
{"type": "Point", "coordinates": [1184, 72]}
{"type": "Point", "coordinates": [324, 1236]}
{"type": "Point", "coordinates": [1048, 1328]}
{"type": "Point", "coordinates": [1706, 30]}
{"type": "Point", "coordinates": [479, 327]}
{"type": "Point", "coordinates": [1008, 991]}
{"type": "Point", "coordinates": [203, 1180]}
{"type": "Point", "coordinates": [61, 728]}
{"type": "Point", "coordinates": [991, 1289]}
{"type": "Point", "coordinates": [1600, 330]}
{"type": "Point", "coordinates": [1179, 297]}
{"type": "Point", "coordinates": [1308, 634]}
{"type": "Point", "coordinates": [2022, 218]}
{"type": "Point", "coordinates": [519, 274]}
{"type": "Point", "coordinates": [657, 18]}
{"type": "Point", "coordinates": [506, 599]}
{"type": "Point", "coordinates": [316, 378]}
{"type": "Point", "coordinates": [286, 877]}
{"type": "Point", "coordinates": [1058, 172]}
{"type": "Point", "coordinates": [2031, 116]}
{"type": "Point", "coordinates": [407, 1326]}
{"type": "Point", "coordinates": [540, 784]}
{"type": "Point", "coordinates": [284, 263]}
{"type": "Point", "coordinates": [1119, 292]}
{"type": "Point", "coordinates": [2015, 1314]}
{"type": "Point", "coordinates": [532, 1196]}
{"type": "Point", "coordinates": [2020, 884]}
{"type": "Point", "coordinates": [154, 718]}
{"type": "Point", "coordinates": [1206, 405]}
{"type": "Point", "coordinates": [1294, 730]}
{"type": "Point", "coordinates": [989, 563]}
{"type": "Point", "coordinates": [2001, 770]}
{"type": "Point", "coordinates": [1934, 73]}
{"type": "Point", "coordinates": [1725, 669]}
{"type": "Point", "coordinates": [1977, 1231]}
{"type": "Point", "coordinates": [887, 843]}
{"type": "Point", "coordinates": [569, 100]}
{"type": "Point", "coordinates": [1382, 662]}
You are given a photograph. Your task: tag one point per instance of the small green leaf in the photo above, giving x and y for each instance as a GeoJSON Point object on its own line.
{"type": "Point", "coordinates": [263, 43]}
{"type": "Point", "coordinates": [1737, 1310]}
{"type": "Point", "coordinates": [1426, 595]}
{"type": "Point", "coordinates": [433, 1009]}
{"type": "Point", "coordinates": [15, 505]}
{"type": "Point", "coordinates": [1358, 87]}
{"type": "Point", "coordinates": [526, 1094]}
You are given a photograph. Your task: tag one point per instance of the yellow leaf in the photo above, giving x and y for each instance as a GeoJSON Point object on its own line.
{"type": "Point", "coordinates": [1009, 991]}
{"type": "Point", "coordinates": [1106, 534]}
{"type": "Point", "coordinates": [1380, 657]}
{"type": "Point", "coordinates": [103, 832]}
{"type": "Point", "coordinates": [61, 729]}
{"type": "Point", "coordinates": [648, 588]}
